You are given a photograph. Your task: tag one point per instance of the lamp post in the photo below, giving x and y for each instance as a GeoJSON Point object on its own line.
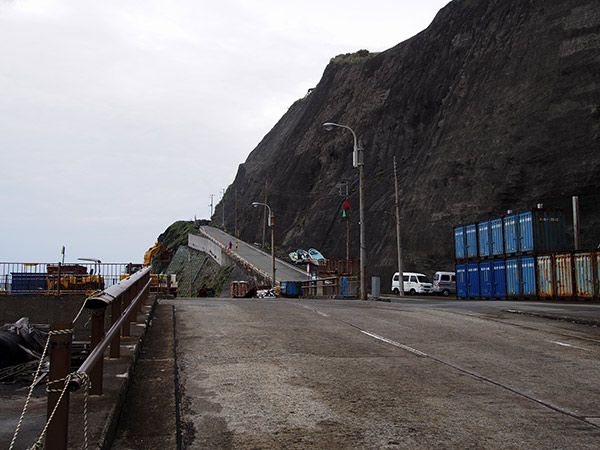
{"type": "Point", "coordinates": [357, 161]}
{"type": "Point", "coordinates": [272, 226]}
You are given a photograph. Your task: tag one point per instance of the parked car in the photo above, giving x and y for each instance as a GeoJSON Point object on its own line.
{"type": "Point", "coordinates": [414, 283]}
{"type": "Point", "coordinates": [444, 283]}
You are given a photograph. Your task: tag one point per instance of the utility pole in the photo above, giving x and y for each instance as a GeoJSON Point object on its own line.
{"type": "Point", "coordinates": [576, 221]}
{"type": "Point", "coordinates": [361, 197]}
{"type": "Point", "coordinates": [264, 217]}
{"type": "Point", "coordinates": [273, 249]}
{"type": "Point", "coordinates": [400, 272]}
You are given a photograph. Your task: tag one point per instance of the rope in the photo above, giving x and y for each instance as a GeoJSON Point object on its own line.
{"type": "Point", "coordinates": [84, 379]}
{"type": "Point", "coordinates": [87, 386]}
{"type": "Point", "coordinates": [39, 443]}
{"type": "Point", "coordinates": [80, 311]}
{"type": "Point", "coordinates": [51, 333]}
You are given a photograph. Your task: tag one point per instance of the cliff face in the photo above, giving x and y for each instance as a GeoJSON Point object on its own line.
{"type": "Point", "coordinates": [495, 106]}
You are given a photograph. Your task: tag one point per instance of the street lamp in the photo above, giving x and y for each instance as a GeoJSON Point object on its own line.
{"type": "Point", "coordinates": [357, 161]}
{"type": "Point", "coordinates": [272, 225]}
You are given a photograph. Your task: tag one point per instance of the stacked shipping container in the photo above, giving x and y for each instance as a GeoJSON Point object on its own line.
{"type": "Point", "coordinates": [523, 255]}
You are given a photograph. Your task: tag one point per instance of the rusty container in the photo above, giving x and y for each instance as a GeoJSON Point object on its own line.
{"type": "Point", "coordinates": [545, 267]}
{"type": "Point", "coordinates": [563, 265]}
{"type": "Point", "coordinates": [597, 275]}
{"type": "Point", "coordinates": [583, 263]}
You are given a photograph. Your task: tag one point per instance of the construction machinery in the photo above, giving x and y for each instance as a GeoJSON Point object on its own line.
{"type": "Point", "coordinates": [73, 277]}
{"type": "Point", "coordinates": [158, 250]}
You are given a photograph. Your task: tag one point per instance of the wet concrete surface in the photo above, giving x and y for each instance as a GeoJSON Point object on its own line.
{"type": "Point", "coordinates": [350, 374]}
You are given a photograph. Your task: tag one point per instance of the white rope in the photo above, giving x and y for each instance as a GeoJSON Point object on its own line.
{"type": "Point", "coordinates": [39, 443]}
{"type": "Point", "coordinates": [87, 384]}
{"type": "Point", "coordinates": [16, 433]}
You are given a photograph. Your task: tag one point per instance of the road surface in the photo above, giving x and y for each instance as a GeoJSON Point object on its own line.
{"type": "Point", "coordinates": [307, 374]}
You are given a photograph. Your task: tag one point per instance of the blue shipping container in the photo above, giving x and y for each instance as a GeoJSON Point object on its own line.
{"type": "Point", "coordinates": [497, 236]}
{"type": "Point", "coordinates": [484, 234]}
{"type": "Point", "coordinates": [528, 280]}
{"type": "Point", "coordinates": [461, 280]}
{"type": "Point", "coordinates": [521, 277]}
{"type": "Point", "coordinates": [459, 242]}
{"type": "Point", "coordinates": [24, 283]}
{"type": "Point", "coordinates": [473, 280]}
{"type": "Point", "coordinates": [471, 240]}
{"type": "Point", "coordinates": [291, 288]}
{"type": "Point", "coordinates": [525, 231]}
{"type": "Point", "coordinates": [513, 277]}
{"type": "Point", "coordinates": [499, 278]}
{"type": "Point", "coordinates": [541, 231]}
{"type": "Point", "coordinates": [511, 234]}
{"type": "Point", "coordinates": [485, 279]}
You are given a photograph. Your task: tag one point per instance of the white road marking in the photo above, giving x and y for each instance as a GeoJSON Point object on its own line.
{"type": "Point", "coordinates": [394, 343]}
{"type": "Point", "coordinates": [564, 344]}
{"type": "Point", "coordinates": [561, 343]}
{"type": "Point", "coordinates": [375, 336]}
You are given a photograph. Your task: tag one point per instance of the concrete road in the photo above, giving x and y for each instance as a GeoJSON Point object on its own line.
{"type": "Point", "coordinates": [283, 271]}
{"type": "Point", "coordinates": [350, 374]}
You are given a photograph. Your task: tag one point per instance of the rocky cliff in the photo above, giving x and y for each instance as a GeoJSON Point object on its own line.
{"type": "Point", "coordinates": [495, 106]}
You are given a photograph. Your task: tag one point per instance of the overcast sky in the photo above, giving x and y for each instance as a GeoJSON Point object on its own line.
{"type": "Point", "coordinates": [120, 117]}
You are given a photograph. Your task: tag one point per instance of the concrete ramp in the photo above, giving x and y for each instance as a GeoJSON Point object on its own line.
{"type": "Point", "coordinates": [223, 249]}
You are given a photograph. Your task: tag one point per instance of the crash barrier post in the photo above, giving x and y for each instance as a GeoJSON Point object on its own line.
{"type": "Point", "coordinates": [58, 398]}
{"type": "Point", "coordinates": [97, 335]}
{"type": "Point", "coordinates": [136, 287]}
{"type": "Point", "coordinates": [115, 313]}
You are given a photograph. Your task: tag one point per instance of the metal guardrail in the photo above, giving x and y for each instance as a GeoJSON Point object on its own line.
{"type": "Point", "coordinates": [125, 300]}
{"type": "Point", "coordinates": [18, 278]}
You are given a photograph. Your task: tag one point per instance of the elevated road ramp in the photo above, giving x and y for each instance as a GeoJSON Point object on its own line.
{"type": "Point", "coordinates": [216, 243]}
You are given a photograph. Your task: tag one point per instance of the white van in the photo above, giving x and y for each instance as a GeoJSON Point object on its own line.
{"type": "Point", "coordinates": [444, 283]}
{"type": "Point", "coordinates": [414, 283]}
